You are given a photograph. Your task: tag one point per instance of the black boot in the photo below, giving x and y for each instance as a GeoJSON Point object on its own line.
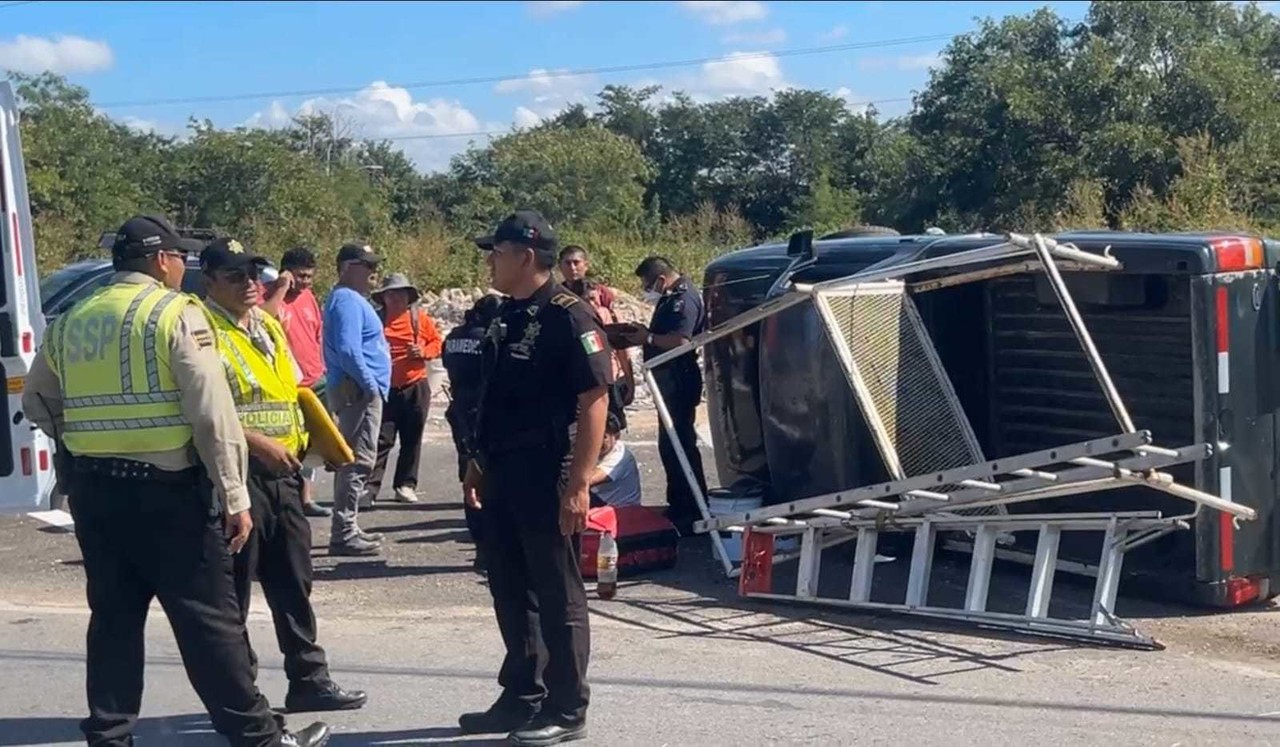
{"type": "Point", "coordinates": [325, 697]}
{"type": "Point", "coordinates": [316, 735]}
{"type": "Point", "coordinates": [502, 717]}
{"type": "Point", "coordinates": [546, 729]}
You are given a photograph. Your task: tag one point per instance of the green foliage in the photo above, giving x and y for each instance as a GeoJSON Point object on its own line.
{"type": "Point", "coordinates": [1146, 116]}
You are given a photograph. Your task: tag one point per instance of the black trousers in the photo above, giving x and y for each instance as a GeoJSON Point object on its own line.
{"type": "Point", "coordinates": [403, 415]}
{"type": "Point", "coordinates": [682, 395]}
{"type": "Point", "coordinates": [538, 595]}
{"type": "Point", "coordinates": [142, 540]}
{"type": "Point", "coordinates": [278, 554]}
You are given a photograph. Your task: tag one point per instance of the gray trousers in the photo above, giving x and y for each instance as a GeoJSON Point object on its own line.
{"type": "Point", "coordinates": [359, 417]}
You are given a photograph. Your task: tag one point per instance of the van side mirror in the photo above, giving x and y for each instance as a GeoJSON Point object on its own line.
{"type": "Point", "coordinates": [801, 244]}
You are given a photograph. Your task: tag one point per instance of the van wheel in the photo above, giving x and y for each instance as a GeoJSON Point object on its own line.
{"type": "Point", "coordinates": [861, 231]}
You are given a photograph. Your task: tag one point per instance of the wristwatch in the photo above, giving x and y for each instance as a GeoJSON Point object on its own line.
{"type": "Point", "coordinates": [648, 340]}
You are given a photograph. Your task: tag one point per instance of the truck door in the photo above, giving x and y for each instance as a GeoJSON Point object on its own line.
{"type": "Point", "coordinates": [26, 454]}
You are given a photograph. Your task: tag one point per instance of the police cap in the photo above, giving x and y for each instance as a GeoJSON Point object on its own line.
{"type": "Point", "coordinates": [229, 254]}
{"type": "Point", "coordinates": [524, 227]}
{"type": "Point", "coordinates": [143, 235]}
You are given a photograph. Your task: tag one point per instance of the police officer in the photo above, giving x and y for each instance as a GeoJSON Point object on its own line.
{"type": "Point", "coordinates": [263, 376]}
{"type": "Point", "coordinates": [678, 316]}
{"type": "Point", "coordinates": [130, 384]}
{"type": "Point", "coordinates": [462, 363]}
{"type": "Point", "coordinates": [540, 425]}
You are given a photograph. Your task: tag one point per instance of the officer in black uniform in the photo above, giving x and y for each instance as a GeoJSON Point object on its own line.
{"type": "Point", "coordinates": [462, 362]}
{"type": "Point", "coordinates": [542, 414]}
{"type": "Point", "coordinates": [678, 316]}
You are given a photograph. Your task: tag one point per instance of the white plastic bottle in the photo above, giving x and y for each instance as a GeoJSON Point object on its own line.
{"type": "Point", "coordinates": [607, 567]}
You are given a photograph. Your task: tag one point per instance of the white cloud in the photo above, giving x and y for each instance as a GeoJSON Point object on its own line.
{"type": "Point", "coordinates": [725, 12]}
{"type": "Point", "coordinates": [548, 8]}
{"type": "Point", "coordinates": [839, 32]}
{"type": "Point", "coordinates": [852, 101]}
{"type": "Point", "coordinates": [773, 36]}
{"type": "Point", "coordinates": [548, 92]}
{"type": "Point", "coordinates": [63, 55]}
{"type": "Point", "coordinates": [905, 62]}
{"type": "Point", "coordinates": [383, 111]}
{"type": "Point", "coordinates": [740, 73]}
{"type": "Point", "coordinates": [526, 117]}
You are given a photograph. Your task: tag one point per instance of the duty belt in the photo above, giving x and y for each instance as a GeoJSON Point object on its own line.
{"type": "Point", "coordinates": [130, 469]}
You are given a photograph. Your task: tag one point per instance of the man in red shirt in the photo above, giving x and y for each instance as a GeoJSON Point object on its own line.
{"type": "Point", "coordinates": [414, 342]}
{"type": "Point", "coordinates": [290, 300]}
{"type": "Point", "coordinates": [574, 266]}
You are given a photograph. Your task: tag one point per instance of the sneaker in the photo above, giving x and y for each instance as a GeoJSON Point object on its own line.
{"type": "Point", "coordinates": [356, 546]}
{"type": "Point", "coordinates": [545, 729]}
{"type": "Point", "coordinates": [316, 735]}
{"type": "Point", "coordinates": [369, 536]}
{"type": "Point", "coordinates": [316, 510]}
{"type": "Point", "coordinates": [502, 717]}
{"type": "Point", "coordinates": [406, 494]}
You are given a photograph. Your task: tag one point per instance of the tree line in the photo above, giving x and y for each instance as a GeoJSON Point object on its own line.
{"type": "Point", "coordinates": [1141, 116]}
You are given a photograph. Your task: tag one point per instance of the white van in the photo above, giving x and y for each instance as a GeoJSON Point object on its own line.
{"type": "Point", "coordinates": [26, 454]}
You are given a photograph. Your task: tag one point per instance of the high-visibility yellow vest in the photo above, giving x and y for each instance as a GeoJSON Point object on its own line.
{"type": "Point", "coordinates": [111, 353]}
{"type": "Point", "coordinates": [266, 395]}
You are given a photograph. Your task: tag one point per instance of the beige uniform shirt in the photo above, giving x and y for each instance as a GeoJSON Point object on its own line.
{"type": "Point", "coordinates": [206, 402]}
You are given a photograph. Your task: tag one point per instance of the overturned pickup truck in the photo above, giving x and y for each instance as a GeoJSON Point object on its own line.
{"type": "Point", "coordinates": [1186, 325]}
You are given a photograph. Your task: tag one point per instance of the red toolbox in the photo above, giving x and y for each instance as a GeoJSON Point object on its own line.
{"type": "Point", "coordinates": [646, 540]}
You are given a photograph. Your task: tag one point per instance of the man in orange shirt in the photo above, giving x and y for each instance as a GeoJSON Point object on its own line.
{"type": "Point", "coordinates": [414, 341]}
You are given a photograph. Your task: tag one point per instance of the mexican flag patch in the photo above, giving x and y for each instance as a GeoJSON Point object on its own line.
{"type": "Point", "coordinates": [592, 342]}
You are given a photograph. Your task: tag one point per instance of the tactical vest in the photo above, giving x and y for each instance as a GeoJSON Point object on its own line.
{"type": "Point", "coordinates": [266, 395]}
{"type": "Point", "coordinates": [111, 353]}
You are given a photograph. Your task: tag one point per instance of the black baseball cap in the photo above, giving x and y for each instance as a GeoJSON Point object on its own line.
{"type": "Point", "coordinates": [229, 254]}
{"type": "Point", "coordinates": [357, 253]}
{"type": "Point", "coordinates": [526, 227]}
{"type": "Point", "coordinates": [143, 235]}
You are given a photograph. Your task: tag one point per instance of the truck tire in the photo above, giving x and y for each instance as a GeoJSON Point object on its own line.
{"type": "Point", "coordinates": [861, 231]}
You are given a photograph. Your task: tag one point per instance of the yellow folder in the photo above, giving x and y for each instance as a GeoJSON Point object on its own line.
{"type": "Point", "coordinates": [327, 444]}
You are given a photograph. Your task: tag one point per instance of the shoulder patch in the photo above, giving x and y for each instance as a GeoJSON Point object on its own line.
{"type": "Point", "coordinates": [592, 342]}
{"type": "Point", "coordinates": [203, 338]}
{"type": "Point", "coordinates": [564, 300]}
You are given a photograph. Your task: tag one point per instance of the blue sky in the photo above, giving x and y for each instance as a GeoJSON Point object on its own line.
{"type": "Point", "coordinates": [126, 53]}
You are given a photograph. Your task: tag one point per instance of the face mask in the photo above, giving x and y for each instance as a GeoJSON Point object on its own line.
{"type": "Point", "coordinates": [651, 296]}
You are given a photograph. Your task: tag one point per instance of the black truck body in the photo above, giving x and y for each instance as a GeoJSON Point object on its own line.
{"type": "Point", "coordinates": [1187, 328]}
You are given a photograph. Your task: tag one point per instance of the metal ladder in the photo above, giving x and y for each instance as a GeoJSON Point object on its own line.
{"type": "Point", "coordinates": [1121, 533]}
{"type": "Point", "coordinates": [861, 515]}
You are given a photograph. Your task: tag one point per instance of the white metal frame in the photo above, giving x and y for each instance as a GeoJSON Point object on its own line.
{"type": "Point", "coordinates": [914, 503]}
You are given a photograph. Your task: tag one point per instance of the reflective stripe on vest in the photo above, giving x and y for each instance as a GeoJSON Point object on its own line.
{"type": "Point", "coordinates": [266, 395]}
{"type": "Point", "coordinates": [111, 353]}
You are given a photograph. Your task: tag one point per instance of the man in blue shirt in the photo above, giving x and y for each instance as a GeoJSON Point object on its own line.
{"type": "Point", "coordinates": [358, 365]}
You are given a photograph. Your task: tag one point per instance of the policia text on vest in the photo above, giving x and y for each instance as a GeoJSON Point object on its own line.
{"type": "Point", "coordinates": [156, 463]}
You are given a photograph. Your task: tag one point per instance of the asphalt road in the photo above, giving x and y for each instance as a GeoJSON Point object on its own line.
{"type": "Point", "coordinates": [677, 657]}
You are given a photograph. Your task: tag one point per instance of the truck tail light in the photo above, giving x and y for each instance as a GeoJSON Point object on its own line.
{"type": "Point", "coordinates": [1235, 253]}
{"type": "Point", "coordinates": [44, 460]}
{"type": "Point", "coordinates": [1243, 590]}
{"type": "Point", "coordinates": [26, 461]}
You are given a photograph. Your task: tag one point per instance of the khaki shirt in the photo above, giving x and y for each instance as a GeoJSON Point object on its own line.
{"type": "Point", "coordinates": [206, 402]}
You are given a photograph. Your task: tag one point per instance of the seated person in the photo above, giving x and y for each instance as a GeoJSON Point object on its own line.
{"type": "Point", "coordinates": [616, 481]}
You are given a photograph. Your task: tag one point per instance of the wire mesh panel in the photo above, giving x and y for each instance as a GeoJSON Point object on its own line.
{"type": "Point", "coordinates": [899, 382]}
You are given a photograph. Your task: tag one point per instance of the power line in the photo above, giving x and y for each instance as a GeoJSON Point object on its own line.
{"type": "Point", "coordinates": [530, 76]}
{"type": "Point", "coordinates": [497, 133]}
{"type": "Point", "coordinates": [16, 4]}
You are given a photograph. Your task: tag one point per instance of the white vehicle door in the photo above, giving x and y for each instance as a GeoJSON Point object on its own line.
{"type": "Point", "coordinates": [26, 454]}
